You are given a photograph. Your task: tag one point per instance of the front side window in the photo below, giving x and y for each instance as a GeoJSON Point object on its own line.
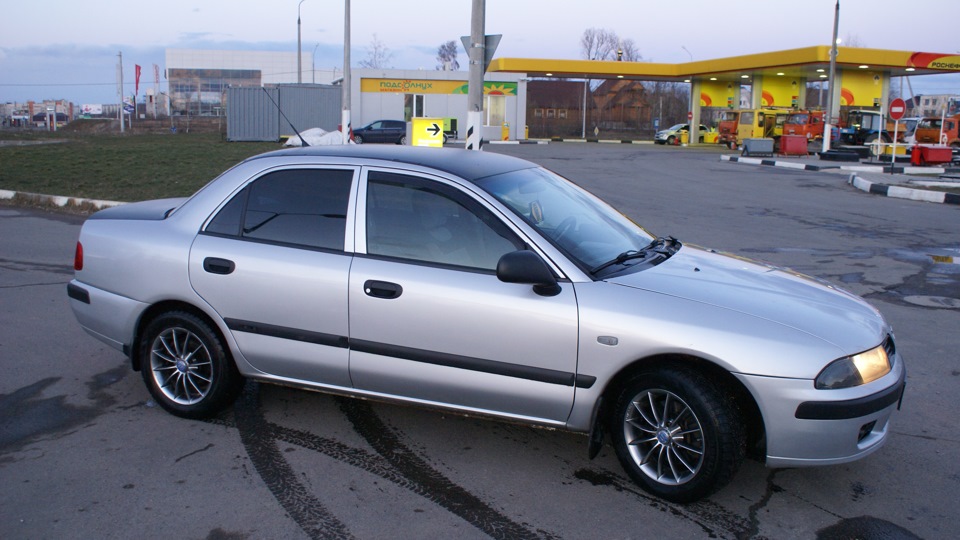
{"type": "Point", "coordinates": [419, 220]}
{"type": "Point", "coordinates": [298, 207]}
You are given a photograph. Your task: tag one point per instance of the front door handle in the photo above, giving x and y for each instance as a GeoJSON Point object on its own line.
{"type": "Point", "coordinates": [216, 265]}
{"type": "Point", "coordinates": [382, 289]}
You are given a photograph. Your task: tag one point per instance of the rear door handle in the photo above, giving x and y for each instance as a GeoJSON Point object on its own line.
{"type": "Point", "coordinates": [216, 265]}
{"type": "Point", "coordinates": [382, 289]}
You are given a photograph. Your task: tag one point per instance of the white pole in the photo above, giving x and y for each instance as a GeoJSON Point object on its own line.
{"type": "Point", "coordinates": [833, 75]}
{"type": "Point", "coordinates": [120, 83]}
{"type": "Point", "coordinates": [943, 116]}
{"type": "Point", "coordinates": [893, 156]}
{"type": "Point", "coordinates": [299, 59]}
{"type": "Point", "coordinates": [345, 85]}
{"type": "Point", "coordinates": [476, 55]}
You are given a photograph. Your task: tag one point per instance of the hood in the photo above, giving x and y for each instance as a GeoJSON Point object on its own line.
{"type": "Point", "coordinates": [766, 292]}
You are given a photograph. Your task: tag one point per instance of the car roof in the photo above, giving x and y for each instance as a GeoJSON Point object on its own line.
{"type": "Point", "coordinates": [468, 164]}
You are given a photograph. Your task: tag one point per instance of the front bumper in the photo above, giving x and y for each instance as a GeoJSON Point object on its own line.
{"type": "Point", "coordinates": [804, 428]}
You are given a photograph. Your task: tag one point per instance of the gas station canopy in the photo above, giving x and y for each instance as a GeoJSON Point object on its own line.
{"type": "Point", "coordinates": [810, 63]}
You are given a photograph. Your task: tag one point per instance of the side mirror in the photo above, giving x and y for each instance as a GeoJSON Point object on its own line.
{"type": "Point", "coordinates": [527, 267]}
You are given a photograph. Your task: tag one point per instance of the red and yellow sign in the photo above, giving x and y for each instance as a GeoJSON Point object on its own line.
{"type": "Point", "coordinates": [426, 86]}
{"type": "Point", "coordinates": [717, 94]}
{"type": "Point", "coordinates": [934, 61]}
{"type": "Point", "coordinates": [861, 89]}
{"type": "Point", "coordinates": [779, 92]}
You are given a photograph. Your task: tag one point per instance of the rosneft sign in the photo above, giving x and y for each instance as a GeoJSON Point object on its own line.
{"type": "Point", "coordinates": [934, 61]}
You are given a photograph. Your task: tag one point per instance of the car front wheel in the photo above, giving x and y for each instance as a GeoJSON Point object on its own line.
{"type": "Point", "coordinates": [677, 435]}
{"type": "Point", "coordinates": [358, 139]}
{"type": "Point", "coordinates": [403, 140]}
{"type": "Point", "coordinates": [186, 367]}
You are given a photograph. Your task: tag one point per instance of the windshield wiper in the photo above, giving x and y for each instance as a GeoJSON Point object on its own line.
{"type": "Point", "coordinates": [620, 259]}
{"type": "Point", "coordinates": [661, 246]}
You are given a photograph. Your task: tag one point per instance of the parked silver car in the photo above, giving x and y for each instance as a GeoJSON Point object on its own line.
{"type": "Point", "coordinates": [483, 283]}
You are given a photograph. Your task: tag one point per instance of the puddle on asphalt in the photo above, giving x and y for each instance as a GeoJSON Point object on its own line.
{"type": "Point", "coordinates": [935, 286]}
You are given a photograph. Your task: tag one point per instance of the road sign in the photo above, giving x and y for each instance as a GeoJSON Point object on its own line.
{"type": "Point", "coordinates": [689, 115]}
{"type": "Point", "coordinates": [490, 43]}
{"type": "Point", "coordinates": [427, 132]}
{"type": "Point", "coordinates": [897, 109]}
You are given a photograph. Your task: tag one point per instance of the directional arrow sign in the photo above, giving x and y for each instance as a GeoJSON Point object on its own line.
{"type": "Point", "coordinates": [427, 132]}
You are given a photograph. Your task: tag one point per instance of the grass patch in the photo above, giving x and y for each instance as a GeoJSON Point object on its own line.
{"type": "Point", "coordinates": [118, 167]}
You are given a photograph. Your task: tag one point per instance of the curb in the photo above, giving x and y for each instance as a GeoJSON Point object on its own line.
{"type": "Point", "coordinates": [903, 192]}
{"type": "Point", "coordinates": [880, 169]}
{"type": "Point", "coordinates": [58, 201]}
{"type": "Point", "coordinates": [775, 163]}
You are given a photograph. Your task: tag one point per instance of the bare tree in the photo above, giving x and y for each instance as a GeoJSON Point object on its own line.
{"type": "Point", "coordinates": [630, 51]}
{"type": "Point", "coordinates": [603, 44]}
{"type": "Point", "coordinates": [852, 40]}
{"type": "Point", "coordinates": [598, 44]}
{"type": "Point", "coordinates": [378, 55]}
{"type": "Point", "coordinates": [447, 57]}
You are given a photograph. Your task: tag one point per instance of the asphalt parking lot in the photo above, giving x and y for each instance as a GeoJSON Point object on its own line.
{"type": "Point", "coordinates": [84, 453]}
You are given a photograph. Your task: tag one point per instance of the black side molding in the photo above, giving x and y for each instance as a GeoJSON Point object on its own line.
{"type": "Point", "coordinates": [78, 293]}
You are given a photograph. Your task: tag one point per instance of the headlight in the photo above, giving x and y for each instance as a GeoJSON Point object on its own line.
{"type": "Point", "coordinates": [854, 370]}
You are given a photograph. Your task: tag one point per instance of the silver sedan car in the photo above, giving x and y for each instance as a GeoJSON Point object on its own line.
{"type": "Point", "coordinates": [485, 284]}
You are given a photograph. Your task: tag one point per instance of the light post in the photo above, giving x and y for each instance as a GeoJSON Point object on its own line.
{"type": "Point", "coordinates": [828, 122]}
{"type": "Point", "coordinates": [313, 64]}
{"type": "Point", "coordinates": [299, 69]}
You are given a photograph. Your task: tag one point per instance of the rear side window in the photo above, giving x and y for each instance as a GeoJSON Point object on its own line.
{"type": "Point", "coordinates": [298, 207]}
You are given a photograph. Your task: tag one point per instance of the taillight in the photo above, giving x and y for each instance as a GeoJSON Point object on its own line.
{"type": "Point", "coordinates": [78, 258]}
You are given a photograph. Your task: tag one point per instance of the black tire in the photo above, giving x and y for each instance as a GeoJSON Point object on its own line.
{"type": "Point", "coordinates": [671, 140]}
{"type": "Point", "coordinates": [357, 139]}
{"type": "Point", "coordinates": [403, 140]}
{"type": "Point", "coordinates": [186, 367]}
{"type": "Point", "coordinates": [677, 434]}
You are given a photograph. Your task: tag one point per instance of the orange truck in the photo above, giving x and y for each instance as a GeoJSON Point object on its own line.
{"type": "Point", "coordinates": [929, 131]}
{"type": "Point", "coordinates": [727, 128]}
{"type": "Point", "coordinates": [806, 123]}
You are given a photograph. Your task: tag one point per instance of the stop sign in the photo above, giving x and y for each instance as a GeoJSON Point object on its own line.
{"type": "Point", "coordinates": [897, 109]}
{"type": "Point", "coordinates": [690, 115]}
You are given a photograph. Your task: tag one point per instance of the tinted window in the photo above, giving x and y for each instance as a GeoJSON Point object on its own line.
{"type": "Point", "coordinates": [413, 218]}
{"type": "Point", "coordinates": [304, 207]}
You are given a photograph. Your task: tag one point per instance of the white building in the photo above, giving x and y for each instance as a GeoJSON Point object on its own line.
{"type": "Point", "coordinates": [198, 79]}
{"type": "Point", "coordinates": [395, 94]}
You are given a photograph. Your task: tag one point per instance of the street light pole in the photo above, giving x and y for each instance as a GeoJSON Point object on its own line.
{"type": "Point", "coordinates": [827, 125]}
{"type": "Point", "coordinates": [345, 86]}
{"type": "Point", "coordinates": [299, 69]}
{"type": "Point", "coordinates": [313, 64]}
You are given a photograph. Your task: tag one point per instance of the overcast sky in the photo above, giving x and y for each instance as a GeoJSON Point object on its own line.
{"type": "Point", "coordinates": [65, 49]}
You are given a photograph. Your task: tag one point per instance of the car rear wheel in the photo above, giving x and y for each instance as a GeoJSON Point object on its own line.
{"type": "Point", "coordinates": [403, 140]}
{"type": "Point", "coordinates": [677, 435]}
{"type": "Point", "coordinates": [186, 367]}
{"type": "Point", "coordinates": [358, 139]}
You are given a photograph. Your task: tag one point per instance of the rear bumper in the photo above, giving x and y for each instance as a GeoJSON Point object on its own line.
{"type": "Point", "coordinates": [109, 317]}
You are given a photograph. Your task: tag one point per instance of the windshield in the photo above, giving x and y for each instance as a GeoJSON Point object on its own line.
{"type": "Point", "coordinates": [798, 118]}
{"type": "Point", "coordinates": [588, 230]}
